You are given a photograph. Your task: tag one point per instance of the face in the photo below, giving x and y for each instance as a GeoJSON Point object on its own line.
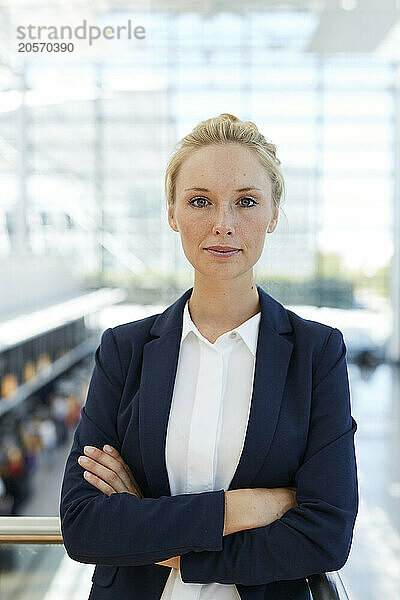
{"type": "Point", "coordinates": [212, 209]}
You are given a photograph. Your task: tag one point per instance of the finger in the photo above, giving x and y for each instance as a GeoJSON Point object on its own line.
{"type": "Point", "coordinates": [110, 462]}
{"type": "Point", "coordinates": [111, 451]}
{"type": "Point", "coordinates": [99, 483]}
{"type": "Point", "coordinates": [118, 465]}
{"type": "Point", "coordinates": [107, 475]}
{"type": "Point", "coordinates": [114, 452]}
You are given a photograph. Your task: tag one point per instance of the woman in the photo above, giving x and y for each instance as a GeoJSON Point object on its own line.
{"type": "Point", "coordinates": [232, 412]}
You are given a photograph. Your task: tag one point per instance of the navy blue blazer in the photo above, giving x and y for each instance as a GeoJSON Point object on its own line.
{"type": "Point", "coordinates": [300, 433]}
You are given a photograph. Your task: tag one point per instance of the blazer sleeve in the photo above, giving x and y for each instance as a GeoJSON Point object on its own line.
{"type": "Point", "coordinates": [122, 529]}
{"type": "Point", "coordinates": [315, 536]}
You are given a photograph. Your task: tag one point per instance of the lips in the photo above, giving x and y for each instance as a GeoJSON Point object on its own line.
{"type": "Point", "coordinates": [222, 251]}
{"type": "Point", "coordinates": [222, 248]}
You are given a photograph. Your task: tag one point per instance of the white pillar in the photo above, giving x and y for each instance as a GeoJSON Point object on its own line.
{"type": "Point", "coordinates": [394, 342]}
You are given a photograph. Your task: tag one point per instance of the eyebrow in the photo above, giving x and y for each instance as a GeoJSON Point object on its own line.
{"type": "Point", "coordinates": [245, 189]}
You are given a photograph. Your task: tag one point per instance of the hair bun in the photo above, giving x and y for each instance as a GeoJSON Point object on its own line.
{"type": "Point", "coordinates": [229, 117]}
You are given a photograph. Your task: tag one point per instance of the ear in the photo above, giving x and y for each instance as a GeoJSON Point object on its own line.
{"type": "Point", "coordinates": [171, 218]}
{"type": "Point", "coordinates": [273, 223]}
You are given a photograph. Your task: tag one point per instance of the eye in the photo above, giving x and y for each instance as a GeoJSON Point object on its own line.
{"type": "Point", "coordinates": [192, 201]}
{"type": "Point", "coordinates": [249, 198]}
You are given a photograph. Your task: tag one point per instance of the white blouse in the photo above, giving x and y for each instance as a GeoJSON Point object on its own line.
{"type": "Point", "coordinates": [207, 425]}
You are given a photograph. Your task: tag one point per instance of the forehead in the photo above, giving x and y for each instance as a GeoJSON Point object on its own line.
{"type": "Point", "coordinates": [228, 164]}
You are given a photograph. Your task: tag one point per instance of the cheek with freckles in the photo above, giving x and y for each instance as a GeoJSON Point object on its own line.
{"type": "Point", "coordinates": [254, 237]}
{"type": "Point", "coordinates": [192, 241]}
{"type": "Point", "coordinates": [194, 233]}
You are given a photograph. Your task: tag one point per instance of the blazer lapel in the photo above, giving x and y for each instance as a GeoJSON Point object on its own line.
{"type": "Point", "coordinates": [160, 361]}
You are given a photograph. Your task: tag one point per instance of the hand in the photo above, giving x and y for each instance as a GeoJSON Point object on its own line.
{"type": "Point", "coordinates": [108, 472]}
{"type": "Point", "coordinates": [174, 562]}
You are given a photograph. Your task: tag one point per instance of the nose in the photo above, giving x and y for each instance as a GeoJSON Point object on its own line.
{"type": "Point", "coordinates": [223, 224]}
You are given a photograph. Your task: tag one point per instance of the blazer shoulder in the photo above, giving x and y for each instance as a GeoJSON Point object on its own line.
{"type": "Point", "coordinates": [134, 331]}
{"type": "Point", "coordinates": [313, 336]}
{"type": "Point", "coordinates": [309, 327]}
{"type": "Point", "coordinates": [129, 339]}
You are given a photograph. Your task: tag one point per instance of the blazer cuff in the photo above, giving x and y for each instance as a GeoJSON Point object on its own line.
{"type": "Point", "coordinates": [191, 562]}
{"type": "Point", "coordinates": [214, 519]}
{"type": "Point", "coordinates": [191, 567]}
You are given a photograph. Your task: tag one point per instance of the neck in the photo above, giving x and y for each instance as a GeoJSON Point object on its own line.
{"type": "Point", "coordinates": [223, 303]}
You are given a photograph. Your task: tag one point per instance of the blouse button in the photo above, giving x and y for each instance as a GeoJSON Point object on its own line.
{"type": "Point", "coordinates": [232, 335]}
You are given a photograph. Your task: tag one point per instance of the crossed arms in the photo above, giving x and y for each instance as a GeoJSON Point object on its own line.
{"type": "Point", "coordinates": [122, 529]}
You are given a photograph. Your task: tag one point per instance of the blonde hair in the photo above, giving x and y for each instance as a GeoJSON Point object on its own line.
{"type": "Point", "coordinates": [225, 129]}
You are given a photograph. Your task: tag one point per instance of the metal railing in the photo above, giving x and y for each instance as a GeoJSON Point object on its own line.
{"type": "Point", "coordinates": [47, 530]}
